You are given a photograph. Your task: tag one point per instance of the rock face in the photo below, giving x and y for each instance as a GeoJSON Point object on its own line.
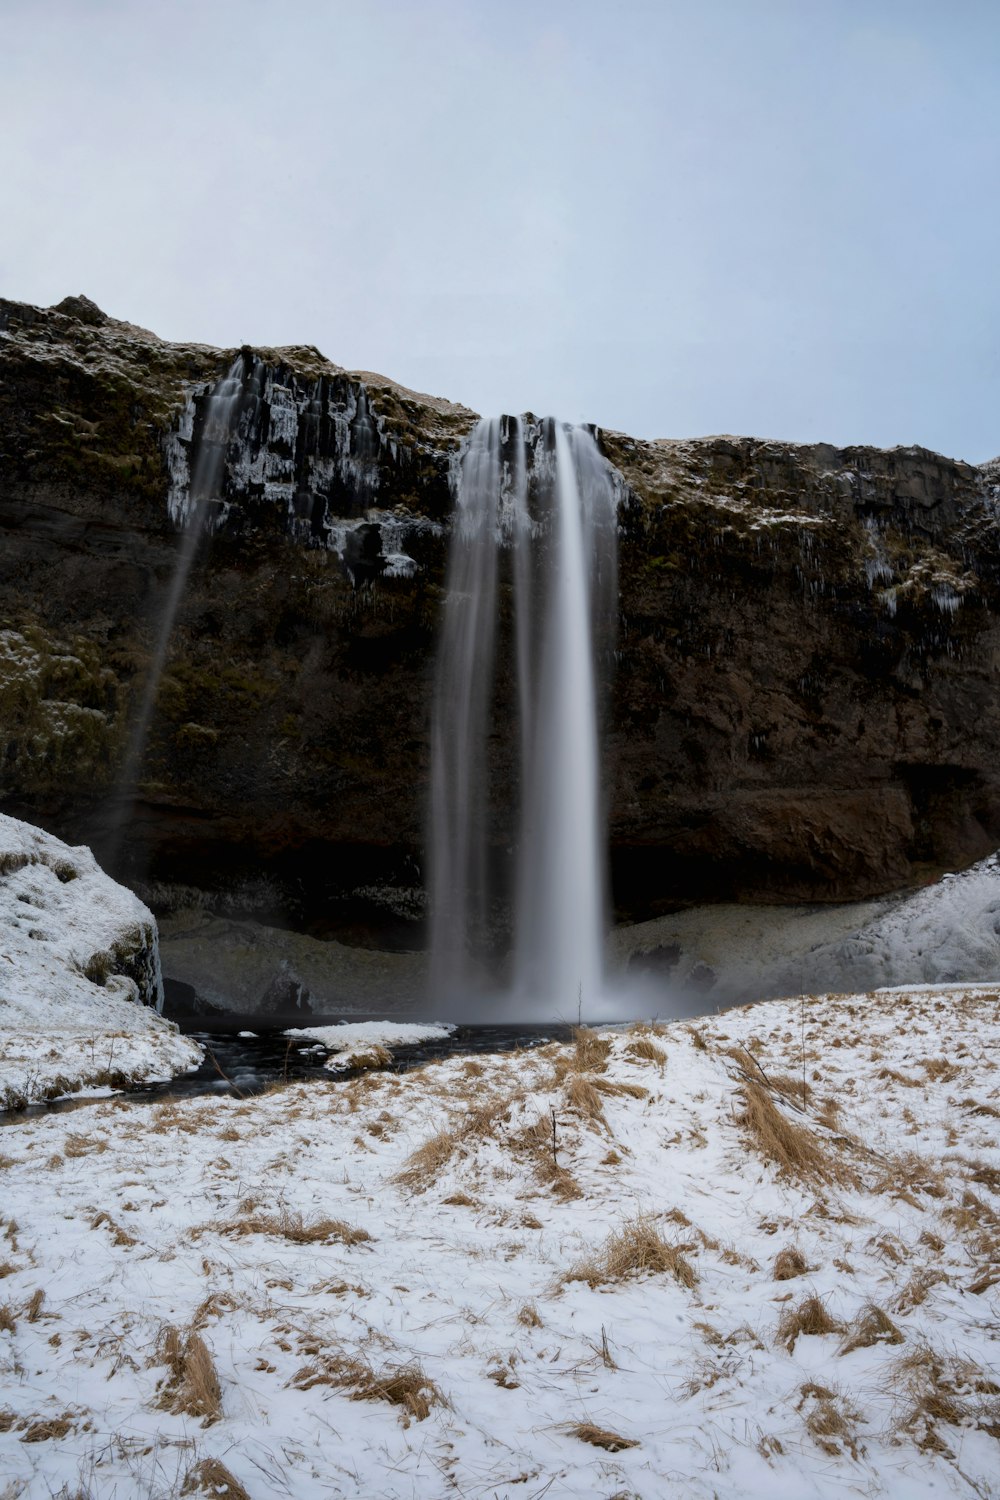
{"type": "Point", "coordinates": [804, 705]}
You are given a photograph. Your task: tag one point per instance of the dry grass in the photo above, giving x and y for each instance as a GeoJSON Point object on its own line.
{"type": "Point", "coordinates": [940, 1070]}
{"type": "Point", "coordinates": [370, 1060]}
{"type": "Point", "coordinates": [536, 1142]}
{"type": "Point", "coordinates": [8, 1323]}
{"type": "Point", "coordinates": [974, 1106]}
{"type": "Point", "coordinates": [582, 1096]}
{"type": "Point", "coordinates": [291, 1226]}
{"type": "Point", "coordinates": [935, 1390]}
{"type": "Point", "coordinates": [47, 1430]}
{"type": "Point", "coordinates": [637, 1249]}
{"type": "Point", "coordinates": [643, 1050]}
{"type": "Point", "coordinates": [460, 1200]}
{"type": "Point", "coordinates": [789, 1263]}
{"type": "Point", "coordinates": [829, 1423]}
{"type": "Point", "coordinates": [33, 1308]}
{"type": "Point", "coordinates": [477, 1122]}
{"type": "Point", "coordinates": [871, 1326]}
{"type": "Point", "coordinates": [809, 1317]}
{"type": "Point", "coordinates": [599, 1437]}
{"type": "Point", "coordinates": [192, 1385]}
{"type": "Point", "coordinates": [794, 1088]}
{"type": "Point", "coordinates": [528, 1315]}
{"type": "Point", "coordinates": [84, 1145]}
{"type": "Point", "coordinates": [119, 1235]}
{"type": "Point", "coordinates": [405, 1386]}
{"type": "Point", "coordinates": [917, 1289]}
{"type": "Point", "coordinates": [590, 1050]}
{"type": "Point", "coordinates": [794, 1149]}
{"type": "Point", "coordinates": [210, 1477]}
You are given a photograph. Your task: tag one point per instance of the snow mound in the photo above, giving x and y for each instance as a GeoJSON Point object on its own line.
{"type": "Point", "coordinates": [80, 975]}
{"type": "Point", "coordinates": [353, 1040]}
{"type": "Point", "coordinates": [949, 932]}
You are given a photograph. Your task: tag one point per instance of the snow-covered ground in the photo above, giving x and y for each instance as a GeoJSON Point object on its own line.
{"type": "Point", "coordinates": [648, 1264]}
{"type": "Point", "coordinates": [79, 975]}
{"type": "Point", "coordinates": [712, 955]}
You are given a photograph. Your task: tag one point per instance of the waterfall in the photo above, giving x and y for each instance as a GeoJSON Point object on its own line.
{"type": "Point", "coordinates": [535, 527]}
{"type": "Point", "coordinates": [221, 411]}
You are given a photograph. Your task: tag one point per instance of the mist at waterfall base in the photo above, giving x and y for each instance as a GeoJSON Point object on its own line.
{"type": "Point", "coordinates": [532, 579]}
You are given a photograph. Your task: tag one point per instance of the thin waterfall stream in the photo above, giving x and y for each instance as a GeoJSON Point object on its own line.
{"type": "Point", "coordinates": [222, 407]}
{"type": "Point", "coordinates": [535, 523]}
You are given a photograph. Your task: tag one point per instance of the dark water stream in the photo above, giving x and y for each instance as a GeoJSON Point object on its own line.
{"type": "Point", "coordinates": [241, 1062]}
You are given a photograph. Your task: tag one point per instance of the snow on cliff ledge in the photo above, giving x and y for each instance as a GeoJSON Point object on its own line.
{"type": "Point", "coordinates": [79, 975]}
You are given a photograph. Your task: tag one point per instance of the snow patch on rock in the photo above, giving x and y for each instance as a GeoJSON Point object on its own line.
{"type": "Point", "coordinates": [80, 981]}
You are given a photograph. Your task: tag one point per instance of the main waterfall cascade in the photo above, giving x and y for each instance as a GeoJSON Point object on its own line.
{"type": "Point", "coordinates": [535, 522]}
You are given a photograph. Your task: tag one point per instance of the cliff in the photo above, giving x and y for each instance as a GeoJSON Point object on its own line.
{"type": "Point", "coordinates": [804, 705]}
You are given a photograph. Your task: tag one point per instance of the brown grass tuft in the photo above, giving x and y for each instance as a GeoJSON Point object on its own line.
{"type": "Point", "coordinates": [789, 1263]}
{"type": "Point", "coordinates": [582, 1096]}
{"type": "Point", "coordinates": [33, 1308]}
{"type": "Point", "coordinates": [636, 1249]}
{"type": "Point", "coordinates": [599, 1437]}
{"type": "Point", "coordinates": [936, 1389]}
{"type": "Point", "coordinates": [829, 1423]}
{"type": "Point", "coordinates": [405, 1386]}
{"type": "Point", "coordinates": [794, 1149]}
{"type": "Point", "coordinates": [8, 1323]}
{"type": "Point", "coordinates": [529, 1316]}
{"type": "Point", "coordinates": [591, 1051]}
{"type": "Point", "coordinates": [292, 1227]}
{"type": "Point", "coordinates": [643, 1050]}
{"type": "Point", "coordinates": [810, 1317]}
{"type": "Point", "coordinates": [84, 1145]}
{"type": "Point", "coordinates": [460, 1200]}
{"type": "Point", "coordinates": [192, 1385]}
{"type": "Point", "coordinates": [918, 1287]}
{"type": "Point", "coordinates": [478, 1122]}
{"type": "Point", "coordinates": [620, 1090]}
{"type": "Point", "coordinates": [872, 1326]}
{"type": "Point", "coordinates": [119, 1236]}
{"type": "Point", "coordinates": [51, 1429]}
{"type": "Point", "coordinates": [371, 1059]}
{"type": "Point", "coordinates": [210, 1477]}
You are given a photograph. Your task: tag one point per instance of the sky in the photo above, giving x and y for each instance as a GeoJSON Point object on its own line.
{"type": "Point", "coordinates": [772, 217]}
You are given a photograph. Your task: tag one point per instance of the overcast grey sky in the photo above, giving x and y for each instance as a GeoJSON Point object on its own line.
{"type": "Point", "coordinates": [778, 217]}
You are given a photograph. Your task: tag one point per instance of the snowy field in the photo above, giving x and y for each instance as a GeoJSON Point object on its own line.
{"type": "Point", "coordinates": [752, 1255]}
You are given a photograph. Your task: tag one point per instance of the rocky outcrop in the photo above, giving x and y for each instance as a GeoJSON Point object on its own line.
{"type": "Point", "coordinates": [804, 703]}
{"type": "Point", "coordinates": [80, 980]}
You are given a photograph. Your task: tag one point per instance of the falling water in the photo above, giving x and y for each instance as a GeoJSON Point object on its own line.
{"type": "Point", "coordinates": [207, 475]}
{"type": "Point", "coordinates": [535, 518]}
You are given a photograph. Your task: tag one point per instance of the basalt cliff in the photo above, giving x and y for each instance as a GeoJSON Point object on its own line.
{"type": "Point", "coordinates": [804, 698]}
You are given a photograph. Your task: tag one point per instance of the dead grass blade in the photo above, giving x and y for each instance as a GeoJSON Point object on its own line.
{"type": "Point", "coordinates": [599, 1437]}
